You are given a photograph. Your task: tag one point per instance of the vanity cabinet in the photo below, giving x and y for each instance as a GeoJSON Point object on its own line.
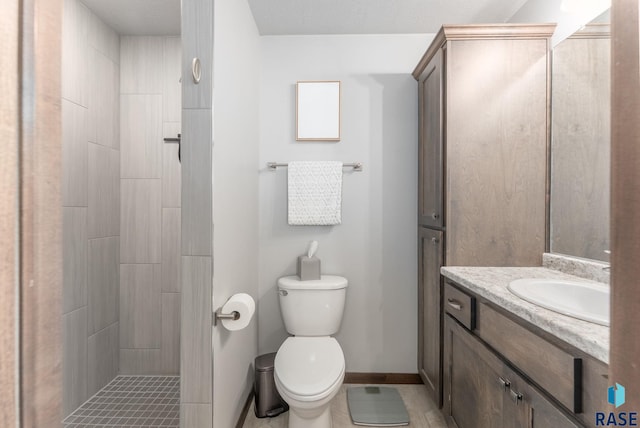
{"type": "Point", "coordinates": [499, 373]}
{"type": "Point", "coordinates": [483, 137]}
{"type": "Point", "coordinates": [482, 391]}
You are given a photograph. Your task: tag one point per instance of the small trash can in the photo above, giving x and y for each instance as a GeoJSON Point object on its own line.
{"type": "Point", "coordinates": [268, 402]}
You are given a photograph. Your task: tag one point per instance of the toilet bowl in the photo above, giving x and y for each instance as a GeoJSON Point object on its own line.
{"type": "Point", "coordinates": [308, 373]}
{"type": "Point", "coordinates": [309, 366]}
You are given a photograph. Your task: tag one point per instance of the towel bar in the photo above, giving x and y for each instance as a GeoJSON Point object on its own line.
{"type": "Point", "coordinates": [357, 166]}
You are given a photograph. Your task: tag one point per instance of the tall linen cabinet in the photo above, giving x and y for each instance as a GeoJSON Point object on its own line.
{"type": "Point", "coordinates": [483, 169]}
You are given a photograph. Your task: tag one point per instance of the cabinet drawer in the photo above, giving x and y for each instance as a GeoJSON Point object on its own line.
{"type": "Point", "coordinates": [551, 367]}
{"type": "Point", "coordinates": [460, 305]}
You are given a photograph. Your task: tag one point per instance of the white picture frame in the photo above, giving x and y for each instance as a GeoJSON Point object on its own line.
{"type": "Point", "coordinates": [318, 110]}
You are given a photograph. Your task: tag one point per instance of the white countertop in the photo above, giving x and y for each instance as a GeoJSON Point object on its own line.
{"type": "Point", "coordinates": [491, 283]}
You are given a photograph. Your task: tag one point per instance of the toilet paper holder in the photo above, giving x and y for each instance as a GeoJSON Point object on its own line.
{"type": "Point", "coordinates": [235, 315]}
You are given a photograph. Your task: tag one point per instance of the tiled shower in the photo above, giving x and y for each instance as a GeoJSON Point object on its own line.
{"type": "Point", "coordinates": [121, 206]}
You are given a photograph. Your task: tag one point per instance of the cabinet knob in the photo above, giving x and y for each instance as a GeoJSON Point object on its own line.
{"type": "Point", "coordinates": [516, 397]}
{"type": "Point", "coordinates": [504, 384]}
{"type": "Point", "coordinates": [434, 240]}
{"type": "Point", "coordinates": [435, 216]}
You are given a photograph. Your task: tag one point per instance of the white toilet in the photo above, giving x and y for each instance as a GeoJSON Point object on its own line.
{"type": "Point", "coordinates": [309, 367]}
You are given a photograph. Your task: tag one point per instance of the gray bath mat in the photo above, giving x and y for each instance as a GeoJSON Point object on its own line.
{"type": "Point", "coordinates": [376, 406]}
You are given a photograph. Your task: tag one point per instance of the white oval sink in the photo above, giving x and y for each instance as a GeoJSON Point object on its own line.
{"type": "Point", "coordinates": [583, 300]}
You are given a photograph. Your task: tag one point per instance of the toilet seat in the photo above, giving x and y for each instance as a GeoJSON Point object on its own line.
{"type": "Point", "coordinates": [309, 368]}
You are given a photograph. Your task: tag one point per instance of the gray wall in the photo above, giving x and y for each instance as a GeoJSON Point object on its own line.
{"type": "Point", "coordinates": [235, 213]}
{"type": "Point", "coordinates": [375, 247]}
{"type": "Point", "coordinates": [150, 212]}
{"type": "Point", "coordinates": [91, 203]}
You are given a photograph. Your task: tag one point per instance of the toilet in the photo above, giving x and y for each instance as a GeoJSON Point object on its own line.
{"type": "Point", "coordinates": [309, 366]}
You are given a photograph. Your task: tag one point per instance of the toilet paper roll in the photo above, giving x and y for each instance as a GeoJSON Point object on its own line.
{"type": "Point", "coordinates": [244, 305]}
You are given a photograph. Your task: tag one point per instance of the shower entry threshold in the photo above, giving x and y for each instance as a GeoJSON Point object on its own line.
{"type": "Point", "coordinates": [131, 401]}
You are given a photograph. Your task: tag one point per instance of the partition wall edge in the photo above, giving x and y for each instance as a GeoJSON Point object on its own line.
{"type": "Point", "coordinates": [196, 353]}
{"type": "Point", "coordinates": [9, 212]}
{"type": "Point", "coordinates": [32, 156]}
{"type": "Point", "coordinates": [625, 200]}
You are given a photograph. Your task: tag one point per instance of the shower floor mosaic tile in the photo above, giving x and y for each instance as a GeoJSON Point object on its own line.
{"type": "Point", "coordinates": [131, 401]}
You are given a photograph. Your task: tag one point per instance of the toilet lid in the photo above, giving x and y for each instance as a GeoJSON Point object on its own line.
{"type": "Point", "coordinates": [308, 366]}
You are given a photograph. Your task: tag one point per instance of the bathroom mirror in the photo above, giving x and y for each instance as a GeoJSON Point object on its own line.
{"type": "Point", "coordinates": [318, 111]}
{"type": "Point", "coordinates": [580, 142]}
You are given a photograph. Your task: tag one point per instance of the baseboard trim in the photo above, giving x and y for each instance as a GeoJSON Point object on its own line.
{"type": "Point", "coordinates": [382, 378]}
{"type": "Point", "coordinates": [245, 410]}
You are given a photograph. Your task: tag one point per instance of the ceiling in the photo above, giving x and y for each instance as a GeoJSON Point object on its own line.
{"type": "Point", "coordinates": [162, 17]}
{"type": "Point", "coordinates": [375, 16]}
{"type": "Point", "coordinates": [139, 17]}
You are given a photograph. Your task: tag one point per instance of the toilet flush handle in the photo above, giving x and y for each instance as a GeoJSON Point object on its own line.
{"type": "Point", "coordinates": [284, 292]}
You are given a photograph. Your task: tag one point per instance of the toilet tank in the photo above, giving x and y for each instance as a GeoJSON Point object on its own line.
{"type": "Point", "coordinates": [312, 308]}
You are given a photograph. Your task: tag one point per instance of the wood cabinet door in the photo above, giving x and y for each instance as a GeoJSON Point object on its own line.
{"type": "Point", "coordinates": [430, 200]}
{"type": "Point", "coordinates": [480, 390]}
{"type": "Point", "coordinates": [429, 310]}
{"type": "Point", "coordinates": [496, 152]}
{"type": "Point", "coordinates": [529, 408]}
{"type": "Point", "coordinates": [473, 389]}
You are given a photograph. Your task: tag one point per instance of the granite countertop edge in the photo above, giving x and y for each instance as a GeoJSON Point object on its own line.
{"type": "Point", "coordinates": [491, 284]}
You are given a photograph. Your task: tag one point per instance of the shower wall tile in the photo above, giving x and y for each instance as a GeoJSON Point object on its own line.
{"type": "Point", "coordinates": [75, 17]}
{"type": "Point", "coordinates": [104, 39]}
{"type": "Point", "coordinates": [171, 333]}
{"type": "Point", "coordinates": [140, 361]}
{"type": "Point", "coordinates": [104, 356]}
{"type": "Point", "coordinates": [171, 129]}
{"type": "Point", "coordinates": [74, 362]}
{"type": "Point", "coordinates": [195, 415]}
{"type": "Point", "coordinates": [91, 203]}
{"type": "Point", "coordinates": [171, 263]}
{"type": "Point", "coordinates": [103, 283]}
{"type": "Point", "coordinates": [197, 192]}
{"type": "Point", "coordinates": [140, 306]}
{"type": "Point", "coordinates": [93, 57]}
{"type": "Point", "coordinates": [140, 214]}
{"type": "Point", "coordinates": [74, 257]}
{"type": "Point", "coordinates": [197, 42]}
{"type": "Point", "coordinates": [140, 65]}
{"type": "Point", "coordinates": [171, 173]}
{"type": "Point", "coordinates": [141, 135]}
{"type": "Point", "coordinates": [195, 333]}
{"type": "Point", "coordinates": [74, 154]}
{"type": "Point", "coordinates": [150, 181]}
{"type": "Point", "coordinates": [171, 73]}
{"type": "Point", "coordinates": [104, 191]}
{"type": "Point", "coordinates": [104, 100]}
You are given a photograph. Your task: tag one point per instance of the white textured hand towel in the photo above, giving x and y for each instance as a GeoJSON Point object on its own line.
{"type": "Point", "coordinates": [315, 193]}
